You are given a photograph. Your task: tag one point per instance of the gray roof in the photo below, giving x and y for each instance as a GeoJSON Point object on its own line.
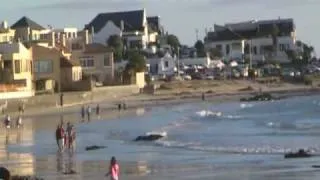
{"type": "Point", "coordinates": [252, 29]}
{"type": "Point", "coordinates": [25, 22]}
{"type": "Point", "coordinates": [132, 20]}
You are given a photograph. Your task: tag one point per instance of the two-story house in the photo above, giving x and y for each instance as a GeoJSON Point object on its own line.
{"type": "Point", "coordinates": [132, 26]}
{"type": "Point", "coordinates": [96, 61]}
{"type": "Point", "coordinates": [254, 40]}
{"type": "Point", "coordinates": [16, 66]}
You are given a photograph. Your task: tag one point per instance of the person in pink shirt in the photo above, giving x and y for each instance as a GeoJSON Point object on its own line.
{"type": "Point", "coordinates": [114, 169]}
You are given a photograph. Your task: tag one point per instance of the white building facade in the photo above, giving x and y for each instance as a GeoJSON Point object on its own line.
{"type": "Point", "coordinates": [253, 40]}
{"type": "Point", "coordinates": [132, 26]}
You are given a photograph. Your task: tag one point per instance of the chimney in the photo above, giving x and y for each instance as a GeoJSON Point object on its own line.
{"type": "Point", "coordinates": [4, 25]}
{"type": "Point", "coordinates": [92, 30]}
{"type": "Point", "coordinates": [52, 39]}
{"type": "Point", "coordinates": [86, 36]}
{"type": "Point", "coordinates": [63, 39]}
{"type": "Point", "coordinates": [121, 25]}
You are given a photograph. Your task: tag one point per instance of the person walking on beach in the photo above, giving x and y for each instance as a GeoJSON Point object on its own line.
{"type": "Point", "coordinates": [7, 121]}
{"type": "Point", "coordinates": [98, 110]}
{"type": "Point", "coordinates": [83, 113]}
{"type": "Point", "coordinates": [88, 112]}
{"type": "Point", "coordinates": [19, 122]}
{"type": "Point", "coordinates": [21, 108]}
{"type": "Point", "coordinates": [114, 169]}
{"type": "Point", "coordinates": [60, 136]}
{"type": "Point", "coordinates": [72, 138]}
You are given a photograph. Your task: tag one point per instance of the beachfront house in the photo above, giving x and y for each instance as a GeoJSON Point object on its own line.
{"type": "Point", "coordinates": [161, 65]}
{"type": "Point", "coordinates": [96, 61]}
{"type": "Point", "coordinates": [132, 26]}
{"type": "Point", "coordinates": [15, 66]}
{"type": "Point", "coordinates": [46, 68]}
{"type": "Point", "coordinates": [254, 40]}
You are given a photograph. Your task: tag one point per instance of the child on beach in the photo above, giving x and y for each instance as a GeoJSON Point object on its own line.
{"type": "Point", "coordinates": [114, 169]}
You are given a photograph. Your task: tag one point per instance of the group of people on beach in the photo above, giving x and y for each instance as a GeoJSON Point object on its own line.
{"type": "Point", "coordinates": [65, 137]}
{"type": "Point", "coordinates": [7, 120]}
{"type": "Point", "coordinates": [87, 111]}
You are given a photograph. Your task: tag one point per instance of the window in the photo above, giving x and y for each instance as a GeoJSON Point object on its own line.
{"type": "Point", "coordinates": [106, 60]}
{"type": "Point", "coordinates": [255, 50]}
{"type": "Point", "coordinates": [75, 46]}
{"type": "Point", "coordinates": [86, 61]}
{"type": "Point", "coordinates": [227, 49]}
{"type": "Point", "coordinates": [166, 64]}
{"type": "Point", "coordinates": [17, 68]}
{"type": "Point", "coordinates": [43, 66]}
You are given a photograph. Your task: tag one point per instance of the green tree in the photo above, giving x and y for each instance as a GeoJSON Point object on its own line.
{"type": "Point", "coordinates": [116, 43]}
{"type": "Point", "coordinates": [136, 62]}
{"type": "Point", "coordinates": [173, 41]}
{"type": "Point", "coordinates": [200, 48]}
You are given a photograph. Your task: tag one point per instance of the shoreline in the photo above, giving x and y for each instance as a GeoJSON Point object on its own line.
{"type": "Point", "coordinates": [142, 100]}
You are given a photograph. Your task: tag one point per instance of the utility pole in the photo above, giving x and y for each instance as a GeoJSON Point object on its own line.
{"type": "Point", "coordinates": [178, 59]}
{"type": "Point", "coordinates": [197, 34]}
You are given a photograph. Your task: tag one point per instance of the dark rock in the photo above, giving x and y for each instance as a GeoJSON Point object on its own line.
{"type": "Point", "coordinates": [152, 137]}
{"type": "Point", "coordinates": [90, 148]}
{"type": "Point", "coordinates": [260, 97]}
{"type": "Point", "coordinates": [300, 154]}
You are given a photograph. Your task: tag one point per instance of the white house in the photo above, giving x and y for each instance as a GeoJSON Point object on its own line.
{"type": "Point", "coordinates": [132, 26]}
{"type": "Point", "coordinates": [165, 65]}
{"type": "Point", "coordinates": [253, 39]}
{"type": "Point", "coordinates": [202, 61]}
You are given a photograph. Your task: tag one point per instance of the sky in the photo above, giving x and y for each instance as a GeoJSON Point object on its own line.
{"type": "Point", "coordinates": [179, 17]}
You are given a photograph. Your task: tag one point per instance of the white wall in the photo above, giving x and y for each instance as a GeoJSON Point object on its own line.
{"type": "Point", "coordinates": [15, 95]}
{"type": "Point", "coordinates": [205, 61]}
{"type": "Point", "coordinates": [234, 52]}
{"type": "Point", "coordinates": [161, 62]}
{"type": "Point", "coordinates": [108, 30]}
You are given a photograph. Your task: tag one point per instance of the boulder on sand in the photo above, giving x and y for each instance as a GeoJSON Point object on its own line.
{"type": "Point", "coordinates": [300, 154]}
{"type": "Point", "coordinates": [90, 148]}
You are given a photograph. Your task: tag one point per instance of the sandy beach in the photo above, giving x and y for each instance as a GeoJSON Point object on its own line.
{"type": "Point", "coordinates": [46, 119]}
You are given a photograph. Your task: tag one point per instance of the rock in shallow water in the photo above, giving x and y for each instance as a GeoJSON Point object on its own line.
{"type": "Point", "coordinates": [152, 137]}
{"type": "Point", "coordinates": [90, 148]}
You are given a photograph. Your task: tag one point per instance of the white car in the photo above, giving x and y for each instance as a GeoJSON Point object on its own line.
{"type": "Point", "coordinates": [187, 77]}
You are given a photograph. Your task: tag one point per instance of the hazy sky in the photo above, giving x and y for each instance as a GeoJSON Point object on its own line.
{"type": "Point", "coordinates": [180, 17]}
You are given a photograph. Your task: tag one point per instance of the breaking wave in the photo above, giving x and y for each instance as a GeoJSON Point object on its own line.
{"type": "Point", "coordinates": [205, 113]}
{"type": "Point", "coordinates": [195, 146]}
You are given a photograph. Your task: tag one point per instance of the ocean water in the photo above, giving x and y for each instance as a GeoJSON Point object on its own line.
{"type": "Point", "coordinates": [231, 140]}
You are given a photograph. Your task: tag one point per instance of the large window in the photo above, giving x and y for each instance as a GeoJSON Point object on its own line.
{"type": "Point", "coordinates": [43, 66]}
{"type": "Point", "coordinates": [17, 66]}
{"type": "Point", "coordinates": [87, 61]}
